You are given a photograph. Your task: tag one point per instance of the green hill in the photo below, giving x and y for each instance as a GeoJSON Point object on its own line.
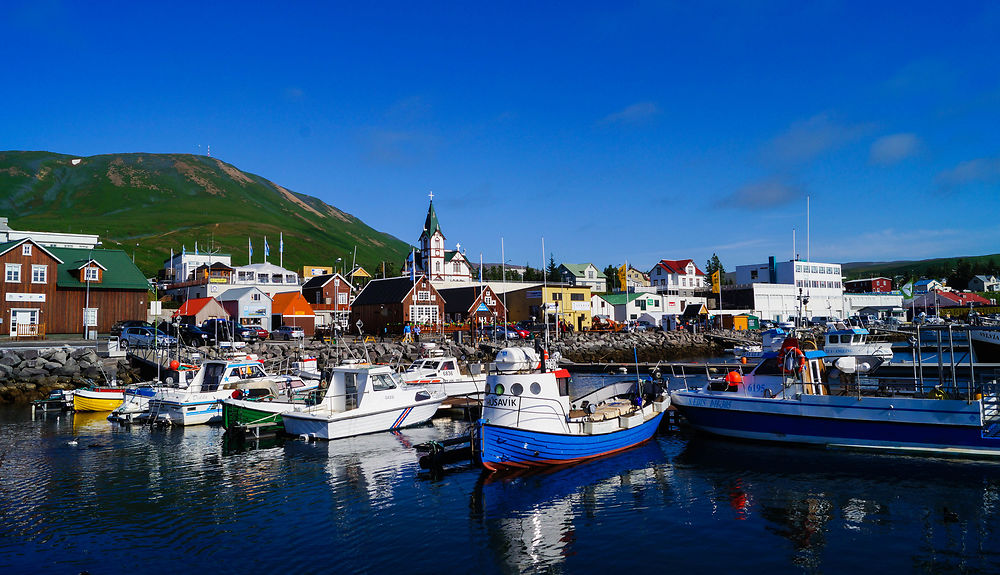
{"type": "Point", "coordinates": [150, 203]}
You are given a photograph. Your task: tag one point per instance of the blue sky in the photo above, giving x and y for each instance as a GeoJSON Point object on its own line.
{"type": "Point", "coordinates": [620, 130]}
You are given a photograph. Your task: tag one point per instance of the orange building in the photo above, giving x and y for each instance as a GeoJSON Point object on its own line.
{"type": "Point", "coordinates": [291, 308]}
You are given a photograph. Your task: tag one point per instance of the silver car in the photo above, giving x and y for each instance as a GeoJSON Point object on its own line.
{"type": "Point", "coordinates": [145, 337]}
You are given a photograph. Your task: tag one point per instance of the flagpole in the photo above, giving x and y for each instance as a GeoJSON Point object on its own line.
{"type": "Point", "coordinates": [503, 279]}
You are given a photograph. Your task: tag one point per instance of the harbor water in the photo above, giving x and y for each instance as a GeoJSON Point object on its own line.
{"type": "Point", "coordinates": [80, 494]}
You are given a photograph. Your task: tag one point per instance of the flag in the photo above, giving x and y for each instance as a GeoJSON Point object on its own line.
{"type": "Point", "coordinates": [907, 290]}
{"type": "Point", "coordinates": [413, 266]}
{"type": "Point", "coordinates": [196, 248]}
{"type": "Point", "coordinates": [172, 264]}
{"type": "Point", "coordinates": [621, 277]}
{"type": "Point", "coordinates": [250, 249]}
{"type": "Point", "coordinates": [480, 267]}
{"type": "Point", "coordinates": [716, 282]}
{"type": "Point", "coordinates": [267, 250]}
{"type": "Point", "coordinates": [183, 251]}
{"type": "Point", "coordinates": [281, 242]}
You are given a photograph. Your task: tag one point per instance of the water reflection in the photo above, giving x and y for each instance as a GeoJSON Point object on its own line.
{"type": "Point", "coordinates": [532, 517]}
{"type": "Point", "coordinates": [928, 511]}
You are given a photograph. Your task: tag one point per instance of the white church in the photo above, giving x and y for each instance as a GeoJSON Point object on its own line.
{"type": "Point", "coordinates": [433, 260]}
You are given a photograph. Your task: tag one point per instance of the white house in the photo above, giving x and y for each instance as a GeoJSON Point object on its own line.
{"type": "Point", "coordinates": [635, 306]}
{"type": "Point", "coordinates": [984, 283]}
{"type": "Point", "coordinates": [584, 275]}
{"type": "Point", "coordinates": [677, 277]}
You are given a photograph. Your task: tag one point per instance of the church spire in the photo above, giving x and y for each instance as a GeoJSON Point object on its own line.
{"type": "Point", "coordinates": [431, 224]}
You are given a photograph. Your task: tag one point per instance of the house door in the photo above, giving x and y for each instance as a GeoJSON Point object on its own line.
{"type": "Point", "coordinates": [22, 317]}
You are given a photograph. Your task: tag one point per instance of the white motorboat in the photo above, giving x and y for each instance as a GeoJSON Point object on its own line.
{"type": "Point", "coordinates": [201, 401]}
{"type": "Point", "coordinates": [843, 341]}
{"type": "Point", "coordinates": [359, 399]}
{"type": "Point", "coordinates": [770, 341]}
{"type": "Point", "coordinates": [444, 375]}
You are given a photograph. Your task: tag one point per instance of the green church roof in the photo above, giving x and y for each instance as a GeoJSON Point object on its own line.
{"type": "Point", "coordinates": [431, 224]}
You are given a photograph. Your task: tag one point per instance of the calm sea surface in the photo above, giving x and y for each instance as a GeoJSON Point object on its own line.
{"type": "Point", "coordinates": [79, 494]}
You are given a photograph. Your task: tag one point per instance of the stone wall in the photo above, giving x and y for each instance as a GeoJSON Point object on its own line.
{"type": "Point", "coordinates": [27, 374]}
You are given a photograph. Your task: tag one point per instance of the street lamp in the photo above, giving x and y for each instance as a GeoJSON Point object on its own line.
{"type": "Point", "coordinates": [337, 265]}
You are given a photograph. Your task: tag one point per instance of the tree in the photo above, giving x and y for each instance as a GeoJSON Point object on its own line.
{"type": "Point", "coordinates": [714, 264]}
{"type": "Point", "coordinates": [611, 272]}
{"type": "Point", "coordinates": [553, 270]}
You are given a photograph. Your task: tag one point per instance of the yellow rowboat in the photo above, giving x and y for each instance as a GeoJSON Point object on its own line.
{"type": "Point", "coordinates": [98, 398]}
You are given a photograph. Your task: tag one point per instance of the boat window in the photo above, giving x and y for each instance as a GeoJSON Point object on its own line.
{"type": "Point", "coordinates": [254, 371]}
{"type": "Point", "coordinates": [517, 389]}
{"type": "Point", "coordinates": [535, 388]}
{"type": "Point", "coordinates": [834, 339]}
{"type": "Point", "coordinates": [858, 339]}
{"type": "Point", "coordinates": [768, 367]}
{"type": "Point", "coordinates": [382, 382]}
{"type": "Point", "coordinates": [213, 376]}
{"type": "Point", "coordinates": [448, 365]}
{"type": "Point", "coordinates": [563, 385]}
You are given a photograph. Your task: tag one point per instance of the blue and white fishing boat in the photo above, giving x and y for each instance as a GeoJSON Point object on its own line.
{"type": "Point", "coordinates": [530, 420]}
{"type": "Point", "coordinates": [845, 341]}
{"type": "Point", "coordinates": [788, 398]}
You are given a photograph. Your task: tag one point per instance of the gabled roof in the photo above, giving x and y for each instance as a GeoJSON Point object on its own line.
{"type": "Point", "coordinates": [621, 298]}
{"type": "Point", "coordinates": [678, 267]}
{"type": "Point", "coordinates": [193, 306]}
{"type": "Point", "coordinates": [460, 299]}
{"type": "Point", "coordinates": [389, 290]}
{"type": "Point", "coordinates": [963, 299]}
{"type": "Point", "coordinates": [237, 293]}
{"type": "Point", "coordinates": [119, 270]}
{"type": "Point", "coordinates": [318, 281]}
{"type": "Point", "coordinates": [694, 310]}
{"type": "Point", "coordinates": [580, 270]}
{"type": "Point", "coordinates": [291, 303]}
{"type": "Point", "coordinates": [7, 246]}
{"type": "Point", "coordinates": [91, 262]}
{"type": "Point", "coordinates": [452, 254]}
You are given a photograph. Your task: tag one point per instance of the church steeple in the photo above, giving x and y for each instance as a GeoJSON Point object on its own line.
{"type": "Point", "coordinates": [431, 224]}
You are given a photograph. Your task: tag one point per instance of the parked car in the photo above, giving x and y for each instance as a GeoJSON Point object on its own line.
{"type": "Point", "coordinates": [521, 332]}
{"type": "Point", "coordinates": [116, 330]}
{"type": "Point", "coordinates": [189, 334]}
{"type": "Point", "coordinates": [498, 332]}
{"type": "Point", "coordinates": [288, 332]}
{"type": "Point", "coordinates": [225, 329]}
{"type": "Point", "coordinates": [141, 336]}
{"type": "Point", "coordinates": [262, 333]}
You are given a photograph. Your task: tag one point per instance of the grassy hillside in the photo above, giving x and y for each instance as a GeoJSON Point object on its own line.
{"type": "Point", "coordinates": [150, 203]}
{"type": "Point", "coordinates": [917, 268]}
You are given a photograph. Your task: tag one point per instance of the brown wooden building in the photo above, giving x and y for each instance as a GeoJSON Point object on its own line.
{"type": "Point", "coordinates": [393, 302]}
{"type": "Point", "coordinates": [45, 289]}
{"type": "Point", "coordinates": [330, 296]}
{"type": "Point", "coordinates": [479, 303]}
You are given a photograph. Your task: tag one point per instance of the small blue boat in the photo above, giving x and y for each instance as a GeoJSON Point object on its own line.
{"type": "Point", "coordinates": [530, 420]}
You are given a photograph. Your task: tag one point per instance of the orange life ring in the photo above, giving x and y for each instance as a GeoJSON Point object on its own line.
{"type": "Point", "coordinates": [792, 360]}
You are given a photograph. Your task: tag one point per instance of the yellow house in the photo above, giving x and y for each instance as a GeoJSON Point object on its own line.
{"type": "Point", "coordinates": [570, 304]}
{"type": "Point", "coordinates": [313, 271]}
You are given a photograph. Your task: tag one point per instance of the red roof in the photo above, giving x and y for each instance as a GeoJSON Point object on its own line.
{"type": "Point", "coordinates": [678, 267]}
{"type": "Point", "coordinates": [192, 306]}
{"type": "Point", "coordinates": [291, 303]}
{"type": "Point", "coordinates": [963, 299]}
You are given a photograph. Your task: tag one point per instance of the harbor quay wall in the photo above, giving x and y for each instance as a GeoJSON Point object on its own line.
{"type": "Point", "coordinates": [30, 373]}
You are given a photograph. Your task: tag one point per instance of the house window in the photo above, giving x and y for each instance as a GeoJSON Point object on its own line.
{"type": "Point", "coordinates": [423, 296]}
{"type": "Point", "coordinates": [456, 268]}
{"type": "Point", "coordinates": [557, 297]}
{"type": "Point", "coordinates": [423, 313]}
{"type": "Point", "coordinates": [437, 267]}
{"type": "Point", "coordinates": [290, 279]}
{"type": "Point", "coordinates": [576, 297]}
{"type": "Point", "coordinates": [590, 274]}
{"type": "Point", "coordinates": [255, 296]}
{"type": "Point", "coordinates": [39, 274]}
{"type": "Point", "coordinates": [26, 249]}
{"type": "Point", "coordinates": [342, 298]}
{"type": "Point", "coordinates": [13, 273]}
{"type": "Point", "coordinates": [798, 269]}
{"type": "Point", "coordinates": [91, 274]}
{"type": "Point", "coordinates": [263, 278]}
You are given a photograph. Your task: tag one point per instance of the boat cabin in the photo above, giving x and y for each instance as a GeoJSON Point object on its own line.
{"type": "Point", "coordinates": [847, 336]}
{"type": "Point", "coordinates": [351, 386]}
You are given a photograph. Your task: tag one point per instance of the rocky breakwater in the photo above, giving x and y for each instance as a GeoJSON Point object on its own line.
{"type": "Point", "coordinates": [30, 373]}
{"type": "Point", "coordinates": [623, 347]}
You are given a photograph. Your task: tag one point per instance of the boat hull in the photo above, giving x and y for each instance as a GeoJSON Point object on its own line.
{"type": "Point", "coordinates": [986, 343]}
{"type": "Point", "coordinates": [323, 425]}
{"type": "Point", "coordinates": [97, 400]}
{"type": "Point", "coordinates": [905, 425]}
{"type": "Point", "coordinates": [501, 448]}
{"type": "Point", "coordinates": [237, 412]}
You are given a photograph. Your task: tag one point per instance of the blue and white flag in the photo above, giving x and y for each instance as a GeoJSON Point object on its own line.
{"type": "Point", "coordinates": [281, 242]}
{"type": "Point", "coordinates": [250, 249]}
{"type": "Point", "coordinates": [267, 250]}
{"type": "Point", "coordinates": [413, 266]}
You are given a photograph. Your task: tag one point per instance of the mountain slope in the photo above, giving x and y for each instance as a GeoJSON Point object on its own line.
{"type": "Point", "coordinates": [150, 203]}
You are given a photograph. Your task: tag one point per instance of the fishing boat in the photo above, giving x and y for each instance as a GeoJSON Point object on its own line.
{"type": "Point", "coordinates": [443, 374]}
{"type": "Point", "coordinates": [98, 398]}
{"type": "Point", "coordinates": [359, 399]}
{"type": "Point", "coordinates": [530, 420]}
{"type": "Point", "coordinates": [844, 341]}
{"type": "Point", "coordinates": [201, 401]}
{"type": "Point", "coordinates": [770, 341]}
{"type": "Point", "coordinates": [792, 396]}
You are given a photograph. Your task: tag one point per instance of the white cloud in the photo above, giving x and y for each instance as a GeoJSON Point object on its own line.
{"type": "Point", "coordinates": [805, 140]}
{"type": "Point", "coordinates": [980, 170]}
{"type": "Point", "coordinates": [637, 113]}
{"type": "Point", "coordinates": [763, 195]}
{"type": "Point", "coordinates": [893, 149]}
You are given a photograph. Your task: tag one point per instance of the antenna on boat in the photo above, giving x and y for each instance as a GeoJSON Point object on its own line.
{"type": "Point", "coordinates": [544, 306]}
{"type": "Point", "coordinates": [361, 324]}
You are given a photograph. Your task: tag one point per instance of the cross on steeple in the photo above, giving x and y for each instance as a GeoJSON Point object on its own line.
{"type": "Point", "coordinates": [431, 194]}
